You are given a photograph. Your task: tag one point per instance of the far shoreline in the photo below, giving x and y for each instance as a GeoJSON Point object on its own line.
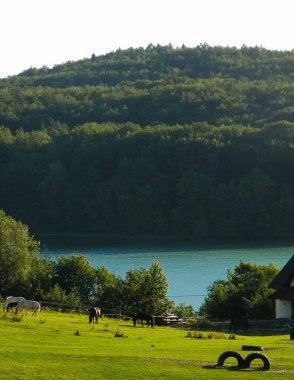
{"type": "Point", "coordinates": [117, 239]}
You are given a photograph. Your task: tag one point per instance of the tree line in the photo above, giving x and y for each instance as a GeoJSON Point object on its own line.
{"type": "Point", "coordinates": [159, 84]}
{"type": "Point", "coordinates": [216, 100]}
{"type": "Point", "coordinates": [73, 281]}
{"type": "Point", "coordinates": [196, 180]}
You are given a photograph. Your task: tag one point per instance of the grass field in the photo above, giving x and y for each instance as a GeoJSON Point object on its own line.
{"type": "Point", "coordinates": [64, 346]}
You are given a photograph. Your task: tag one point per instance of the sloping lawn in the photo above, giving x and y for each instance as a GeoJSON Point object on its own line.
{"type": "Point", "coordinates": [64, 346]}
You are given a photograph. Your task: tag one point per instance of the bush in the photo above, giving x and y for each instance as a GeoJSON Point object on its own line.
{"type": "Point", "coordinates": [56, 295]}
{"type": "Point", "coordinates": [201, 335]}
{"type": "Point", "coordinates": [243, 293]}
{"type": "Point", "coordinates": [204, 324]}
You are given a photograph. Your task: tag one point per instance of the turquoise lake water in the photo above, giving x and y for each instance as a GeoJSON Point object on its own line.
{"type": "Point", "coordinates": [189, 268]}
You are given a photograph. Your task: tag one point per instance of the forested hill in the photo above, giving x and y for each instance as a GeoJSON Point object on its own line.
{"type": "Point", "coordinates": [163, 62]}
{"type": "Point", "coordinates": [195, 142]}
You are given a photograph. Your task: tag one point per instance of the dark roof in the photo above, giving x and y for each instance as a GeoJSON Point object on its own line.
{"type": "Point", "coordinates": [286, 294]}
{"type": "Point", "coordinates": [284, 277]}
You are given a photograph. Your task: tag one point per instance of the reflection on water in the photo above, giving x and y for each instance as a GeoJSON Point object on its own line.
{"type": "Point", "coordinates": [190, 267]}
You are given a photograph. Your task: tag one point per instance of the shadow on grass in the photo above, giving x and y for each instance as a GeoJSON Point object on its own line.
{"type": "Point", "coordinates": [138, 326]}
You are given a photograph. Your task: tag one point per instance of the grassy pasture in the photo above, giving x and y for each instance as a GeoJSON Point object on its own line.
{"type": "Point", "coordinates": [64, 346]}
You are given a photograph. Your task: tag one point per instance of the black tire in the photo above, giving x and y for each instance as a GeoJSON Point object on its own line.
{"type": "Point", "coordinates": [252, 348]}
{"type": "Point", "coordinates": [256, 355]}
{"type": "Point", "coordinates": [230, 354]}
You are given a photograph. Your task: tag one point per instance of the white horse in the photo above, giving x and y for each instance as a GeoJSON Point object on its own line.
{"type": "Point", "coordinates": [29, 304]}
{"type": "Point", "coordinates": [11, 299]}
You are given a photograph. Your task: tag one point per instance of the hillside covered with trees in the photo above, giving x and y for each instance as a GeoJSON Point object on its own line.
{"type": "Point", "coordinates": [167, 141]}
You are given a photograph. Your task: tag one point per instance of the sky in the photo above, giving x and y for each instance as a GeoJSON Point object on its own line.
{"type": "Point", "coordinates": [36, 33]}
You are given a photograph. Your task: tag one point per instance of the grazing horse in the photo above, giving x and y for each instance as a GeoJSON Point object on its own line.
{"type": "Point", "coordinates": [94, 314]}
{"type": "Point", "coordinates": [148, 318]}
{"type": "Point", "coordinates": [239, 323]}
{"type": "Point", "coordinates": [10, 300]}
{"type": "Point", "coordinates": [29, 304]}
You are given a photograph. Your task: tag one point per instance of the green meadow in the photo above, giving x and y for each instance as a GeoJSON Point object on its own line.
{"type": "Point", "coordinates": [64, 346]}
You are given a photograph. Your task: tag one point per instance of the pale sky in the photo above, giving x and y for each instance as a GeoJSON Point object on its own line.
{"type": "Point", "coordinates": [42, 32]}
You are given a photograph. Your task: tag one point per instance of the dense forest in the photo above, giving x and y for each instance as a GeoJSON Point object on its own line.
{"type": "Point", "coordinates": [193, 142]}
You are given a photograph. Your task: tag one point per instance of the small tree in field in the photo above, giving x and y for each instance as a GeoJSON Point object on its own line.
{"type": "Point", "coordinates": [18, 251]}
{"type": "Point", "coordinates": [75, 275]}
{"type": "Point", "coordinates": [146, 290]}
{"type": "Point", "coordinates": [244, 292]}
{"type": "Point", "coordinates": [108, 289]}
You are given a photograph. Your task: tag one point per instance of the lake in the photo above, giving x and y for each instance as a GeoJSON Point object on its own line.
{"type": "Point", "coordinates": [189, 267]}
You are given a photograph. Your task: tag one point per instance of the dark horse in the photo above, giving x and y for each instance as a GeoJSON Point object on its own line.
{"type": "Point", "coordinates": [11, 305]}
{"type": "Point", "coordinates": [148, 318]}
{"type": "Point", "coordinates": [94, 314]}
{"type": "Point", "coordinates": [241, 323]}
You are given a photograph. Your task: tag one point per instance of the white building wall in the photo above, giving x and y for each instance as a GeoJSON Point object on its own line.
{"type": "Point", "coordinates": [292, 282]}
{"type": "Point", "coordinates": [283, 309]}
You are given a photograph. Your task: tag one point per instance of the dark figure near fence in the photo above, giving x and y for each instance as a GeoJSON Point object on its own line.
{"type": "Point", "coordinates": [148, 318]}
{"type": "Point", "coordinates": [94, 314]}
{"type": "Point", "coordinates": [241, 324]}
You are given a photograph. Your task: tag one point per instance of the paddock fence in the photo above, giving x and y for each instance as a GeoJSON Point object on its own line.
{"type": "Point", "coordinates": [273, 326]}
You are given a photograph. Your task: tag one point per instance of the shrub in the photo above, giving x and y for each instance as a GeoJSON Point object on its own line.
{"type": "Point", "coordinates": [201, 335]}
{"type": "Point", "coordinates": [244, 292]}
{"type": "Point", "coordinates": [204, 324]}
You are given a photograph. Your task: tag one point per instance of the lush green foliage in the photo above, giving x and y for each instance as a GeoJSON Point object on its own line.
{"type": "Point", "coordinates": [64, 346]}
{"type": "Point", "coordinates": [158, 84]}
{"type": "Point", "coordinates": [75, 275]}
{"type": "Point", "coordinates": [18, 253]}
{"type": "Point", "coordinates": [195, 142]}
{"type": "Point", "coordinates": [72, 280]}
{"type": "Point", "coordinates": [244, 292]}
{"type": "Point", "coordinates": [194, 180]}
{"type": "Point", "coordinates": [146, 289]}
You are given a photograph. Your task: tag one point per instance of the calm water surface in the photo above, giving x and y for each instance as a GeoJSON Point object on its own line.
{"type": "Point", "coordinates": [190, 268]}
